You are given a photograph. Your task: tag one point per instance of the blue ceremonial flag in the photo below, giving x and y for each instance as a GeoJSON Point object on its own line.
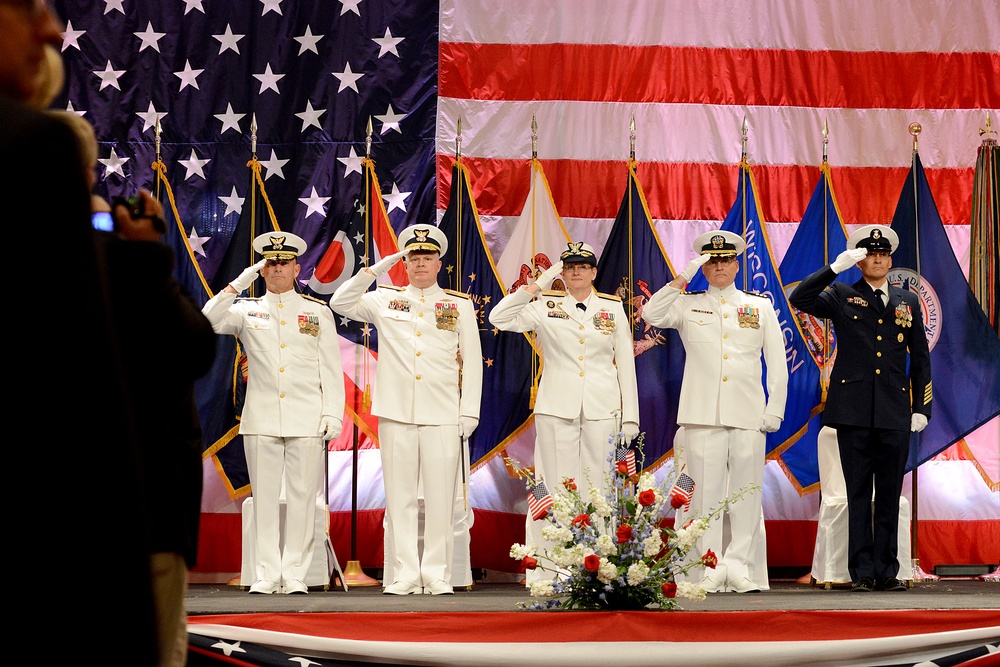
{"type": "Point", "coordinates": [469, 268]}
{"type": "Point", "coordinates": [819, 238]}
{"type": "Point", "coordinates": [294, 84]}
{"type": "Point", "coordinates": [965, 350]}
{"type": "Point", "coordinates": [746, 219]}
{"type": "Point", "coordinates": [633, 265]}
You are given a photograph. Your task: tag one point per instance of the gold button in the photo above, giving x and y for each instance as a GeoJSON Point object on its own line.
{"type": "Point", "coordinates": [418, 354]}
{"type": "Point", "coordinates": [420, 315]}
{"type": "Point", "coordinates": [282, 322]}
{"type": "Point", "coordinates": [281, 305]}
{"type": "Point", "coordinates": [581, 341]}
{"type": "Point", "coordinates": [725, 356]}
{"type": "Point", "coordinates": [281, 395]}
{"type": "Point", "coordinates": [855, 317]}
{"type": "Point", "coordinates": [581, 373]}
{"type": "Point", "coordinates": [843, 381]}
{"type": "Point", "coordinates": [725, 335]}
{"type": "Point", "coordinates": [725, 379]}
{"type": "Point", "coordinates": [418, 377]}
{"type": "Point", "coordinates": [421, 299]}
{"type": "Point", "coordinates": [725, 316]}
{"type": "Point", "coordinates": [282, 346]}
{"type": "Point", "coordinates": [281, 370]}
{"type": "Point", "coordinates": [880, 320]}
{"type": "Point", "coordinates": [722, 300]}
{"type": "Point", "coordinates": [878, 371]}
{"type": "Point", "coordinates": [255, 326]}
{"type": "Point", "coordinates": [878, 354]}
{"type": "Point", "coordinates": [419, 334]}
{"type": "Point", "coordinates": [581, 327]}
{"type": "Point", "coordinates": [878, 338]}
{"type": "Point", "coordinates": [580, 357]}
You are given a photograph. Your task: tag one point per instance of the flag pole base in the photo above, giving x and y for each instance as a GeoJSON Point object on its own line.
{"type": "Point", "coordinates": [355, 576]}
{"type": "Point", "coordinates": [919, 575]}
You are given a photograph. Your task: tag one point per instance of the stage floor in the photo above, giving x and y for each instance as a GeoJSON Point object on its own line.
{"type": "Point", "coordinates": [946, 593]}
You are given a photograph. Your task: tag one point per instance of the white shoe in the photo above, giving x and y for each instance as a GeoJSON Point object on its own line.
{"type": "Point", "coordinates": [439, 587]}
{"type": "Point", "coordinates": [265, 587]}
{"type": "Point", "coordinates": [295, 586]}
{"type": "Point", "coordinates": [401, 588]}
{"type": "Point", "coordinates": [712, 585]}
{"type": "Point", "coordinates": [743, 585]}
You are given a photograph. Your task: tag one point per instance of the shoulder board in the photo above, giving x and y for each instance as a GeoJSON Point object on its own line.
{"type": "Point", "coordinates": [553, 292]}
{"type": "Point", "coordinates": [609, 297]}
{"type": "Point", "coordinates": [750, 293]}
{"type": "Point", "coordinates": [392, 287]}
{"type": "Point", "coordinates": [456, 293]}
{"type": "Point", "coordinates": [697, 292]}
{"type": "Point", "coordinates": [249, 298]}
{"type": "Point", "coordinates": [312, 298]}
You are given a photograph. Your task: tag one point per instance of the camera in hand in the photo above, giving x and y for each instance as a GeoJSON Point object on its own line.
{"type": "Point", "coordinates": [135, 210]}
{"type": "Point", "coordinates": [102, 221]}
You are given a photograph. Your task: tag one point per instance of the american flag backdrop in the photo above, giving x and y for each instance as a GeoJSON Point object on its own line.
{"type": "Point", "coordinates": [296, 83]}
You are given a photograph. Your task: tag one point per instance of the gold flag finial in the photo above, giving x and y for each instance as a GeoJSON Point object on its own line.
{"type": "Point", "coordinates": [458, 138]}
{"type": "Point", "coordinates": [156, 132]}
{"type": "Point", "coordinates": [368, 138]}
{"type": "Point", "coordinates": [534, 137]}
{"type": "Point", "coordinates": [988, 131]}
{"type": "Point", "coordinates": [914, 130]}
{"type": "Point", "coordinates": [746, 131]}
{"type": "Point", "coordinates": [253, 134]}
{"type": "Point", "coordinates": [631, 138]}
{"type": "Point", "coordinates": [826, 140]}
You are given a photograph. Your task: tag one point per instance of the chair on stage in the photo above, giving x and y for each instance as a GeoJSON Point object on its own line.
{"type": "Point", "coordinates": [829, 566]}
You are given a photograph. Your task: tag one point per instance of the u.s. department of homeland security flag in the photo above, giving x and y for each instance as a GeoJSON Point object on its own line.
{"type": "Point", "coordinates": [965, 350]}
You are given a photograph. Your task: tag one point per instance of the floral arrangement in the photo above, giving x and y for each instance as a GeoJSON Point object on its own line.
{"type": "Point", "coordinates": [611, 551]}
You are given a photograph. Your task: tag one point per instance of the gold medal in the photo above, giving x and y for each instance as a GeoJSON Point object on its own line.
{"type": "Point", "coordinates": [446, 315]}
{"type": "Point", "coordinates": [309, 324]}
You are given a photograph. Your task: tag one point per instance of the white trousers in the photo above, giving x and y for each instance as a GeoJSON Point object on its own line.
{"type": "Point", "coordinates": [296, 463]}
{"type": "Point", "coordinates": [412, 454]}
{"type": "Point", "coordinates": [576, 448]}
{"type": "Point", "coordinates": [721, 461]}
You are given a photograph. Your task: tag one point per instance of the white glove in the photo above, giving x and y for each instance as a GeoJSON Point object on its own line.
{"type": "Point", "coordinates": [848, 258]}
{"type": "Point", "coordinates": [245, 279]}
{"type": "Point", "coordinates": [630, 430]}
{"type": "Point", "coordinates": [330, 426]}
{"type": "Point", "coordinates": [548, 275]}
{"type": "Point", "coordinates": [387, 263]}
{"type": "Point", "coordinates": [769, 424]}
{"type": "Point", "coordinates": [918, 422]}
{"type": "Point", "coordinates": [466, 425]}
{"type": "Point", "coordinates": [692, 267]}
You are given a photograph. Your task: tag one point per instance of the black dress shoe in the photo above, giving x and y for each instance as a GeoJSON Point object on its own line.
{"type": "Point", "coordinates": [863, 585]}
{"type": "Point", "coordinates": [891, 584]}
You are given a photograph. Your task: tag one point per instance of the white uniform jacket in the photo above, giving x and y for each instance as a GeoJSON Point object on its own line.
{"type": "Point", "coordinates": [588, 362]}
{"type": "Point", "coordinates": [293, 350]}
{"type": "Point", "coordinates": [420, 336]}
{"type": "Point", "coordinates": [724, 332]}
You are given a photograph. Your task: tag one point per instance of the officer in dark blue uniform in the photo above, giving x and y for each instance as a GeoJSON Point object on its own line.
{"type": "Point", "coordinates": [873, 402]}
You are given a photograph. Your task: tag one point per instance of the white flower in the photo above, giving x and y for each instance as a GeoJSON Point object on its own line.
{"type": "Point", "coordinates": [557, 534]}
{"type": "Point", "coordinates": [646, 482]}
{"type": "Point", "coordinates": [519, 551]}
{"type": "Point", "coordinates": [606, 546]}
{"type": "Point", "coordinates": [652, 545]}
{"type": "Point", "coordinates": [607, 571]}
{"type": "Point", "coordinates": [686, 589]}
{"type": "Point", "coordinates": [637, 573]}
{"type": "Point", "coordinates": [602, 508]}
{"type": "Point", "coordinates": [542, 588]}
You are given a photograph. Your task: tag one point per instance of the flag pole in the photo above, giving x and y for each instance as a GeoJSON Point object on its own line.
{"type": "Point", "coordinates": [353, 574]}
{"type": "Point", "coordinates": [918, 574]}
{"type": "Point", "coordinates": [458, 287]}
{"type": "Point", "coordinates": [629, 305]}
{"type": "Point", "coordinates": [531, 260]}
{"type": "Point", "coordinates": [744, 167]}
{"type": "Point", "coordinates": [824, 376]}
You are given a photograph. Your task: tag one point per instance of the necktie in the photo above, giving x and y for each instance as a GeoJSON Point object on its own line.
{"type": "Point", "coordinates": [582, 306]}
{"type": "Point", "coordinates": [881, 300]}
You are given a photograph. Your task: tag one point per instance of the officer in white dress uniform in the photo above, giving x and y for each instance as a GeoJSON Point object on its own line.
{"type": "Point", "coordinates": [294, 403]}
{"type": "Point", "coordinates": [723, 408]}
{"type": "Point", "coordinates": [428, 386]}
{"type": "Point", "coordinates": [588, 373]}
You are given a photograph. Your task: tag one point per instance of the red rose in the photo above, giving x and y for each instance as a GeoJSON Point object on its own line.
{"type": "Point", "coordinates": [710, 559]}
{"type": "Point", "coordinates": [582, 521]}
{"type": "Point", "coordinates": [669, 589]}
{"type": "Point", "coordinates": [624, 533]}
{"type": "Point", "coordinates": [622, 468]}
{"type": "Point", "coordinates": [592, 562]}
{"type": "Point", "coordinates": [529, 563]}
{"type": "Point", "coordinates": [647, 497]}
{"type": "Point", "coordinates": [676, 501]}
{"type": "Point", "coordinates": [569, 484]}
